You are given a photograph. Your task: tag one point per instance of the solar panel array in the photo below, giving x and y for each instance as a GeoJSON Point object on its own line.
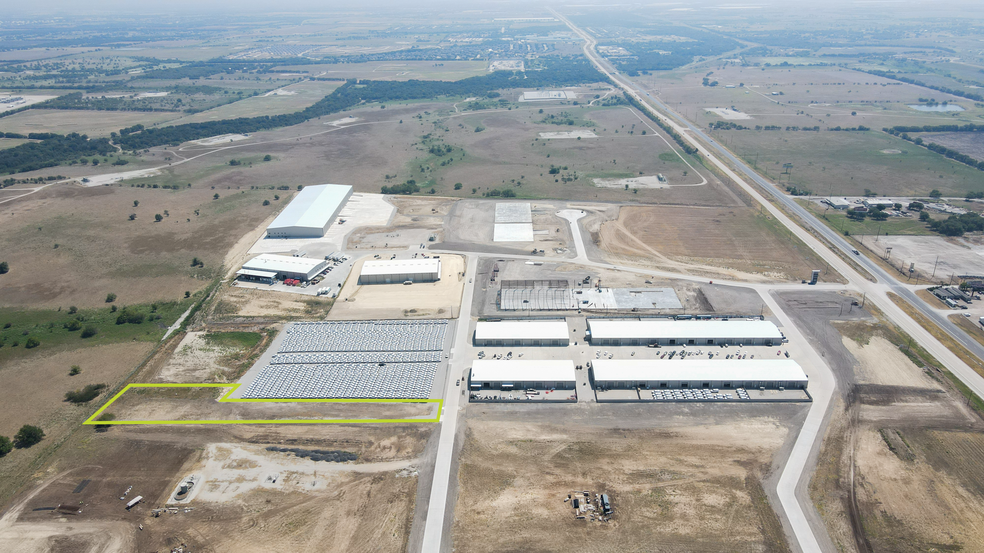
{"type": "Point", "coordinates": [353, 359]}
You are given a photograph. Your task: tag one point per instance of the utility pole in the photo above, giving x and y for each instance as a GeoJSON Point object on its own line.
{"type": "Point", "coordinates": [934, 266]}
{"type": "Point", "coordinates": [864, 296]}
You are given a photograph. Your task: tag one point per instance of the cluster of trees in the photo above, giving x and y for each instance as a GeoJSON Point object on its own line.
{"type": "Point", "coordinates": [85, 395]}
{"type": "Point", "coordinates": [504, 193]}
{"type": "Point", "coordinates": [969, 127]}
{"type": "Point", "coordinates": [727, 126]}
{"type": "Point", "coordinates": [27, 436]}
{"type": "Point", "coordinates": [75, 100]}
{"type": "Point", "coordinates": [686, 147]}
{"type": "Point", "coordinates": [897, 77]}
{"type": "Point", "coordinates": [858, 128]}
{"type": "Point", "coordinates": [51, 151]}
{"type": "Point", "coordinates": [942, 150]}
{"type": "Point", "coordinates": [661, 55]}
{"type": "Point", "coordinates": [957, 225]}
{"type": "Point", "coordinates": [407, 188]}
{"type": "Point", "coordinates": [556, 73]}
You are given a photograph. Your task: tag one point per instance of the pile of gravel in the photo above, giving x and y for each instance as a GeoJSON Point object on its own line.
{"type": "Point", "coordinates": [331, 456]}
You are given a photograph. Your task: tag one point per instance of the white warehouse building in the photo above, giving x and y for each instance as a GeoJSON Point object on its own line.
{"type": "Point", "coordinates": [501, 374]}
{"type": "Point", "coordinates": [395, 271]}
{"type": "Point", "coordinates": [277, 267]}
{"type": "Point", "coordinates": [669, 332]}
{"type": "Point", "coordinates": [311, 212]}
{"type": "Point", "coordinates": [698, 373]}
{"type": "Point", "coordinates": [522, 333]}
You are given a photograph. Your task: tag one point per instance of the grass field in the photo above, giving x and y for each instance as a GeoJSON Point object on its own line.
{"type": "Point", "coordinates": [70, 245]}
{"type": "Point", "coordinates": [730, 239]}
{"type": "Point", "coordinates": [838, 220]}
{"type": "Point", "coordinates": [11, 142]}
{"type": "Point", "coordinates": [90, 122]}
{"type": "Point", "coordinates": [825, 161]}
{"type": "Point", "coordinates": [304, 95]}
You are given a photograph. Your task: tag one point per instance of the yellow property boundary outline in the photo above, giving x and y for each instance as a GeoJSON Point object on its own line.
{"type": "Point", "coordinates": [233, 386]}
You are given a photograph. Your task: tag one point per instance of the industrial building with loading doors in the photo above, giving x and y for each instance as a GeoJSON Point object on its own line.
{"type": "Point", "coordinates": [522, 333]}
{"type": "Point", "coordinates": [396, 271]}
{"type": "Point", "coordinates": [670, 332]}
{"type": "Point", "coordinates": [698, 373]}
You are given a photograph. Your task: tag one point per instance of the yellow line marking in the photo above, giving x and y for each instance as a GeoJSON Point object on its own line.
{"type": "Point", "coordinates": [233, 386]}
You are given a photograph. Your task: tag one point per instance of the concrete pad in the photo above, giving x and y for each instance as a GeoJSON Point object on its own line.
{"type": "Point", "coordinates": [513, 212]}
{"type": "Point", "coordinates": [580, 133]}
{"type": "Point", "coordinates": [647, 298]}
{"type": "Point", "coordinates": [513, 232]}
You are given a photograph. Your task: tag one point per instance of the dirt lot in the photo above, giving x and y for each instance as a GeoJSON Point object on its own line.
{"type": "Point", "coordinates": [898, 470]}
{"type": "Point", "coordinates": [365, 506]}
{"type": "Point", "coordinates": [234, 303]}
{"type": "Point", "coordinates": [422, 300]}
{"type": "Point", "coordinates": [204, 357]}
{"type": "Point", "coordinates": [961, 255]}
{"type": "Point", "coordinates": [82, 243]}
{"type": "Point", "coordinates": [416, 220]}
{"type": "Point", "coordinates": [686, 489]}
{"type": "Point", "coordinates": [734, 241]}
{"type": "Point", "coordinates": [970, 143]}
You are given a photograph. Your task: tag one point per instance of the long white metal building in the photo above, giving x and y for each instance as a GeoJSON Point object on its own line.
{"type": "Point", "coordinates": [311, 212]}
{"type": "Point", "coordinates": [669, 332]}
{"type": "Point", "coordinates": [500, 374]}
{"type": "Point", "coordinates": [276, 267]}
{"type": "Point", "coordinates": [522, 333]}
{"type": "Point", "coordinates": [698, 373]}
{"type": "Point", "coordinates": [395, 271]}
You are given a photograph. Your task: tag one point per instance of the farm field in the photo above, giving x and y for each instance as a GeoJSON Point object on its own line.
{"type": "Point", "coordinates": [736, 241]}
{"type": "Point", "coordinates": [93, 123]}
{"type": "Point", "coordinates": [686, 489]}
{"type": "Point", "coordinates": [291, 98]}
{"type": "Point", "coordinates": [825, 161]}
{"type": "Point", "coordinates": [970, 143]}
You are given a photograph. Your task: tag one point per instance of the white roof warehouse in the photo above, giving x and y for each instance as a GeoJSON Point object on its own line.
{"type": "Point", "coordinates": [284, 266]}
{"type": "Point", "coordinates": [386, 271]}
{"type": "Point", "coordinates": [698, 373]}
{"type": "Point", "coordinates": [311, 212]}
{"type": "Point", "coordinates": [504, 374]}
{"type": "Point", "coordinates": [669, 332]}
{"type": "Point", "coordinates": [522, 333]}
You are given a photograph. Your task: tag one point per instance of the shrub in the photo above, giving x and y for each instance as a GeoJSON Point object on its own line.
{"type": "Point", "coordinates": [158, 217]}
{"type": "Point", "coordinates": [27, 436]}
{"type": "Point", "coordinates": [6, 446]}
{"type": "Point", "coordinates": [84, 395]}
{"type": "Point", "coordinates": [924, 216]}
{"type": "Point", "coordinates": [73, 325]}
{"type": "Point", "coordinates": [32, 342]}
{"type": "Point", "coordinates": [457, 186]}
{"type": "Point", "coordinates": [75, 370]}
{"type": "Point", "coordinates": [4, 267]}
{"type": "Point", "coordinates": [110, 297]}
{"type": "Point", "coordinates": [267, 157]}
{"type": "Point", "coordinates": [266, 202]}
{"type": "Point", "coordinates": [73, 310]}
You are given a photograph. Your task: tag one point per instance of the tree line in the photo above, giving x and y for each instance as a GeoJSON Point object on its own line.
{"type": "Point", "coordinates": [934, 147]}
{"type": "Point", "coordinates": [557, 73]}
{"type": "Point", "coordinates": [897, 77]}
{"type": "Point", "coordinates": [51, 151]}
{"type": "Point", "coordinates": [686, 147]}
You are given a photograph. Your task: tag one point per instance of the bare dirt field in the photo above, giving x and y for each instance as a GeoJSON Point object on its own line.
{"type": "Point", "coordinates": [250, 499]}
{"type": "Point", "coordinates": [470, 226]}
{"type": "Point", "coordinates": [236, 302]}
{"type": "Point", "coordinates": [970, 143]}
{"type": "Point", "coordinates": [83, 245]}
{"type": "Point", "coordinates": [205, 357]}
{"type": "Point", "coordinates": [898, 470]}
{"type": "Point", "coordinates": [735, 241]}
{"type": "Point", "coordinates": [415, 222]}
{"type": "Point", "coordinates": [959, 255]}
{"type": "Point", "coordinates": [422, 300]}
{"type": "Point", "coordinates": [288, 99]}
{"type": "Point", "coordinates": [686, 489]}
{"type": "Point", "coordinates": [165, 404]}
